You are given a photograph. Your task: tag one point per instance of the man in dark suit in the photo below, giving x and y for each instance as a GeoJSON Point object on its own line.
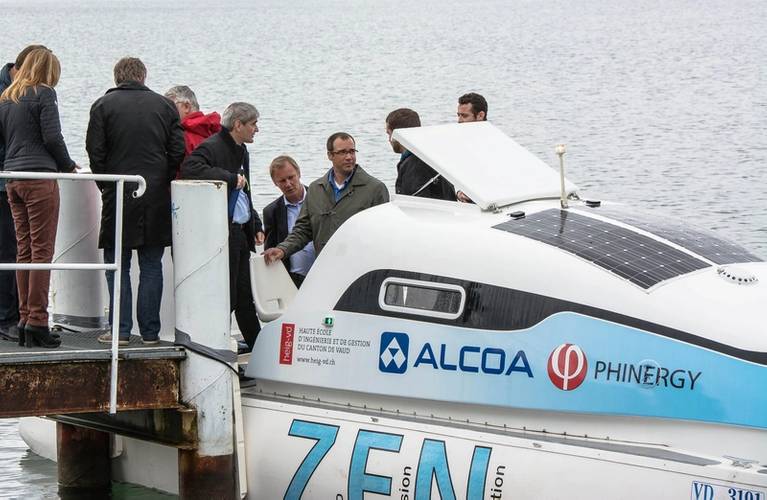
{"type": "Point", "coordinates": [281, 214]}
{"type": "Point", "coordinates": [224, 157]}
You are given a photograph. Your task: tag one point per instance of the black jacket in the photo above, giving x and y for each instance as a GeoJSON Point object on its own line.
{"type": "Point", "coordinates": [5, 76]}
{"type": "Point", "coordinates": [413, 173]}
{"type": "Point", "coordinates": [5, 81]}
{"type": "Point", "coordinates": [276, 225]}
{"type": "Point", "coordinates": [31, 132]}
{"type": "Point", "coordinates": [219, 158]}
{"type": "Point", "coordinates": [135, 131]}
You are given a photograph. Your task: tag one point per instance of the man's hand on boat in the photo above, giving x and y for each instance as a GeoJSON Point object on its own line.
{"type": "Point", "coordinates": [273, 255]}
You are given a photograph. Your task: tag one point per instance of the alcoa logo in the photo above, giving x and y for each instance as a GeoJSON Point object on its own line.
{"type": "Point", "coordinates": [393, 354]}
{"type": "Point", "coordinates": [567, 367]}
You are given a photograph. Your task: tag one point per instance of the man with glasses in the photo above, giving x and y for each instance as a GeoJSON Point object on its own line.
{"type": "Point", "coordinates": [329, 202]}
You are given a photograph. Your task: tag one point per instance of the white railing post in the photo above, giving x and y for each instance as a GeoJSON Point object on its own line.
{"type": "Point", "coordinates": [117, 283]}
{"type": "Point", "coordinates": [116, 266]}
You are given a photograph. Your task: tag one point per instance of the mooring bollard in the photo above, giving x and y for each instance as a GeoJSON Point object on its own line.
{"type": "Point", "coordinates": [201, 279]}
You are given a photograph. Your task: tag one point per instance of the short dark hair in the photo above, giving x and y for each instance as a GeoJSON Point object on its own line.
{"type": "Point", "coordinates": [129, 69]}
{"type": "Point", "coordinates": [478, 103]}
{"type": "Point", "coordinates": [338, 135]}
{"type": "Point", "coordinates": [24, 53]}
{"type": "Point", "coordinates": [403, 118]}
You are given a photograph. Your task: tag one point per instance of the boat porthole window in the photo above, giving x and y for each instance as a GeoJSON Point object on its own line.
{"type": "Point", "coordinates": [423, 298]}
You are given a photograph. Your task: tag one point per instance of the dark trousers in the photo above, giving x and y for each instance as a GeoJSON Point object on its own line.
{"type": "Point", "coordinates": [35, 208]}
{"type": "Point", "coordinates": [149, 297]}
{"type": "Point", "coordinates": [9, 298]}
{"type": "Point", "coordinates": [240, 294]}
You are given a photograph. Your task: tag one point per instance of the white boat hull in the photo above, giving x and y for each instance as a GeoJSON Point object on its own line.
{"type": "Point", "coordinates": [326, 453]}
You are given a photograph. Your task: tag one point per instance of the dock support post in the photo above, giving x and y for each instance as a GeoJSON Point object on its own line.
{"type": "Point", "coordinates": [201, 279]}
{"type": "Point", "coordinates": [83, 462]}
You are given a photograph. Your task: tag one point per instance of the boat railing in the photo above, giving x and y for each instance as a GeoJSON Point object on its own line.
{"type": "Point", "coordinates": [120, 180]}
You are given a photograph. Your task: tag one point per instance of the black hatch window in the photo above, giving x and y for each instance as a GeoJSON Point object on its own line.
{"type": "Point", "coordinates": [439, 300]}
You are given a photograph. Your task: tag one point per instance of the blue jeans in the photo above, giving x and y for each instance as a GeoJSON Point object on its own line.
{"type": "Point", "coordinates": [149, 291]}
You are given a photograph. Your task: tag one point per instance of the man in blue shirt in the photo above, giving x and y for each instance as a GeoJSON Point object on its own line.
{"type": "Point", "coordinates": [224, 157]}
{"type": "Point", "coordinates": [332, 199]}
{"type": "Point", "coordinates": [281, 214]}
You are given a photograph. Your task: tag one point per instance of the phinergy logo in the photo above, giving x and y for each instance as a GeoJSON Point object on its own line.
{"type": "Point", "coordinates": [567, 367]}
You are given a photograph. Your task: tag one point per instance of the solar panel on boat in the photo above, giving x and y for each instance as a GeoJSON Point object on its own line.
{"type": "Point", "coordinates": [638, 258]}
{"type": "Point", "coordinates": [700, 241]}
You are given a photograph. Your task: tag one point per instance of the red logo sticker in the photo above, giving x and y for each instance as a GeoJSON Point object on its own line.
{"type": "Point", "coordinates": [286, 343]}
{"type": "Point", "coordinates": [567, 367]}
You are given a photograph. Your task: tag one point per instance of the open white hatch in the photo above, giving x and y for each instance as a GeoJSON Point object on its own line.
{"type": "Point", "coordinates": [483, 162]}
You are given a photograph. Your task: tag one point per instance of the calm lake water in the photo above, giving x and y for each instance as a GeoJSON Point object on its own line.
{"type": "Point", "coordinates": [663, 104]}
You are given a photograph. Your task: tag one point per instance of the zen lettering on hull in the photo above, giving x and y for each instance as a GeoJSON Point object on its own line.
{"type": "Point", "coordinates": [416, 480]}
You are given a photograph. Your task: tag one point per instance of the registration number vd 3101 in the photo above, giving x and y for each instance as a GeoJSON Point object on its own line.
{"type": "Point", "coordinates": [709, 491]}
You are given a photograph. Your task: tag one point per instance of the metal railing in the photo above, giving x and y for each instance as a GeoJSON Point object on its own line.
{"type": "Point", "coordinates": [116, 266]}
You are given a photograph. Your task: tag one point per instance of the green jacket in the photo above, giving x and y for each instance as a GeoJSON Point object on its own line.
{"type": "Point", "coordinates": [321, 215]}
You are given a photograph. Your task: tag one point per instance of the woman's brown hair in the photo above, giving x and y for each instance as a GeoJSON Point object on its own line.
{"type": "Point", "coordinates": [40, 67]}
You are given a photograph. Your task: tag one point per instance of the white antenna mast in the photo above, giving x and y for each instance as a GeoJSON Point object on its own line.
{"type": "Point", "coordinates": [561, 150]}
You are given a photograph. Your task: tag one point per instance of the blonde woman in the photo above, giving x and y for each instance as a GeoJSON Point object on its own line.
{"type": "Point", "coordinates": [31, 131]}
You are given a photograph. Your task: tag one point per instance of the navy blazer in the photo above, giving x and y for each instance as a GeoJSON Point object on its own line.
{"type": "Point", "coordinates": [276, 225]}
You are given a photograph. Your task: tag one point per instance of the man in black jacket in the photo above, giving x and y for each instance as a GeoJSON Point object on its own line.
{"type": "Point", "coordinates": [135, 131]}
{"type": "Point", "coordinates": [414, 176]}
{"type": "Point", "coordinates": [224, 157]}
{"type": "Point", "coordinates": [280, 216]}
{"type": "Point", "coordinates": [472, 107]}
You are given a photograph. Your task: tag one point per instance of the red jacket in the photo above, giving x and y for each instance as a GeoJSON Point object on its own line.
{"type": "Point", "coordinates": [198, 127]}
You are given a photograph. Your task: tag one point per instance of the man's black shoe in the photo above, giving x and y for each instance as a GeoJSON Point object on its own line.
{"type": "Point", "coordinates": [9, 332]}
{"type": "Point", "coordinates": [241, 373]}
{"type": "Point", "coordinates": [242, 347]}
